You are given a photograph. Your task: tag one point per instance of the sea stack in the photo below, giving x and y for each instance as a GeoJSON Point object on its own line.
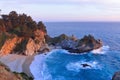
{"type": "Point", "coordinates": [74, 45]}
{"type": "Point", "coordinates": [116, 76]}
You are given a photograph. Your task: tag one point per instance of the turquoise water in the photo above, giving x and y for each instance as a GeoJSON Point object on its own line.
{"type": "Point", "coordinates": [62, 65]}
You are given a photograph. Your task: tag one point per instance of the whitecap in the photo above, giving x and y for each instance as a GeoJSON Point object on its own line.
{"type": "Point", "coordinates": [101, 50]}
{"type": "Point", "coordinates": [38, 68]}
{"type": "Point", "coordinates": [77, 66]}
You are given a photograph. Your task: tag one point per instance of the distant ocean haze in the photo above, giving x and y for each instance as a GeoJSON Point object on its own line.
{"type": "Point", "coordinates": [108, 32]}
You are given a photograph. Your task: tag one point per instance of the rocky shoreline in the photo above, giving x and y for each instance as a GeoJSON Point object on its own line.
{"type": "Point", "coordinates": [20, 35]}
{"type": "Point", "coordinates": [74, 45]}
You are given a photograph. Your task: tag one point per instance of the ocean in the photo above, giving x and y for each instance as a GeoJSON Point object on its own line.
{"type": "Point", "coordinates": [62, 65]}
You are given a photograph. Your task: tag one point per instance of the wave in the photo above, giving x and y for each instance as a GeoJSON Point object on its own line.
{"type": "Point", "coordinates": [77, 66]}
{"type": "Point", "coordinates": [101, 50]}
{"type": "Point", "coordinates": [38, 68]}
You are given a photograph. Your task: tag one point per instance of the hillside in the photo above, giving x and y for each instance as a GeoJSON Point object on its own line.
{"type": "Point", "coordinates": [20, 34]}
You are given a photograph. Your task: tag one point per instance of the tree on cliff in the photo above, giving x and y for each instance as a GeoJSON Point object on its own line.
{"type": "Point", "coordinates": [41, 26]}
{"type": "Point", "coordinates": [20, 24]}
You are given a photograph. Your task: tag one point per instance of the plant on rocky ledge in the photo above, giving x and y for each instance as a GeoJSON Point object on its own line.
{"type": "Point", "coordinates": [21, 47]}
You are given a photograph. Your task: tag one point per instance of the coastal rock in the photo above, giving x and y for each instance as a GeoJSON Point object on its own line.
{"type": "Point", "coordinates": [30, 47]}
{"type": "Point", "coordinates": [22, 45]}
{"type": "Point", "coordinates": [87, 43]}
{"type": "Point", "coordinates": [9, 45]}
{"type": "Point", "coordinates": [116, 76]}
{"type": "Point", "coordinates": [55, 40]}
{"type": "Point", "coordinates": [35, 45]}
{"type": "Point", "coordinates": [20, 34]}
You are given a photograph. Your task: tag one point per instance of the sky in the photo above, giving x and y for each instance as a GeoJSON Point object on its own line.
{"type": "Point", "coordinates": [65, 10]}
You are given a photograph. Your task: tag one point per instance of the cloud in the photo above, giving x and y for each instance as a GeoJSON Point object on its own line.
{"type": "Point", "coordinates": [106, 2]}
{"type": "Point", "coordinates": [67, 9]}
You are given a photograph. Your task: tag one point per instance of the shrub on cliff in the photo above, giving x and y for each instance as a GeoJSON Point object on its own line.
{"type": "Point", "coordinates": [3, 38]}
{"type": "Point", "coordinates": [20, 28]}
{"type": "Point", "coordinates": [21, 47]}
{"type": "Point", "coordinates": [20, 24]}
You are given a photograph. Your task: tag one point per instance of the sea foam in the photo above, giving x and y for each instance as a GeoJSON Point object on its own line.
{"type": "Point", "coordinates": [101, 50]}
{"type": "Point", "coordinates": [40, 72]}
{"type": "Point", "coordinates": [38, 68]}
{"type": "Point", "coordinates": [77, 66]}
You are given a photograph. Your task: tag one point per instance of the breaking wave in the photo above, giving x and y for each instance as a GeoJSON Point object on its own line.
{"type": "Point", "coordinates": [101, 50]}
{"type": "Point", "coordinates": [38, 68]}
{"type": "Point", "coordinates": [70, 63]}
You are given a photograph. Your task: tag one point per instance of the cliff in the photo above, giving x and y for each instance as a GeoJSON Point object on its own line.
{"type": "Point", "coordinates": [21, 35]}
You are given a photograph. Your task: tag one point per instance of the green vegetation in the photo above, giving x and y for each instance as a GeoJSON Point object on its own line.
{"type": "Point", "coordinates": [20, 24]}
{"type": "Point", "coordinates": [3, 38]}
{"type": "Point", "coordinates": [21, 47]}
{"type": "Point", "coordinates": [24, 76]}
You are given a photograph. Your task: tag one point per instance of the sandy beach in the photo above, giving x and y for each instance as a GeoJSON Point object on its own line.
{"type": "Point", "coordinates": [18, 63]}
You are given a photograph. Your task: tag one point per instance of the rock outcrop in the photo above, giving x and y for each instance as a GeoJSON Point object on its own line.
{"type": "Point", "coordinates": [73, 45]}
{"type": "Point", "coordinates": [35, 45]}
{"type": "Point", "coordinates": [53, 41]}
{"type": "Point", "coordinates": [9, 45]}
{"type": "Point", "coordinates": [116, 76]}
{"type": "Point", "coordinates": [19, 34]}
{"type": "Point", "coordinates": [6, 74]}
{"type": "Point", "coordinates": [21, 45]}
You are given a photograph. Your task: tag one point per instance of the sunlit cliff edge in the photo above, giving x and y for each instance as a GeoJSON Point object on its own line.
{"type": "Point", "coordinates": [20, 34]}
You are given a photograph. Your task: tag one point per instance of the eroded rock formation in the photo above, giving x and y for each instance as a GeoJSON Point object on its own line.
{"type": "Point", "coordinates": [74, 45]}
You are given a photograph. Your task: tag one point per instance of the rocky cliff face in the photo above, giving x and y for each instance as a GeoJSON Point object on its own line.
{"type": "Point", "coordinates": [21, 45]}
{"type": "Point", "coordinates": [34, 46]}
{"type": "Point", "coordinates": [9, 45]}
{"type": "Point", "coordinates": [20, 34]}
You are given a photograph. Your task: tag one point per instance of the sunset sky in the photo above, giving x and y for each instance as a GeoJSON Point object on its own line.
{"type": "Point", "coordinates": [65, 10]}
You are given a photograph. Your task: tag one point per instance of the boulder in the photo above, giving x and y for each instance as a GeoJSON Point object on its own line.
{"type": "Point", "coordinates": [116, 76]}
{"type": "Point", "coordinates": [86, 65]}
